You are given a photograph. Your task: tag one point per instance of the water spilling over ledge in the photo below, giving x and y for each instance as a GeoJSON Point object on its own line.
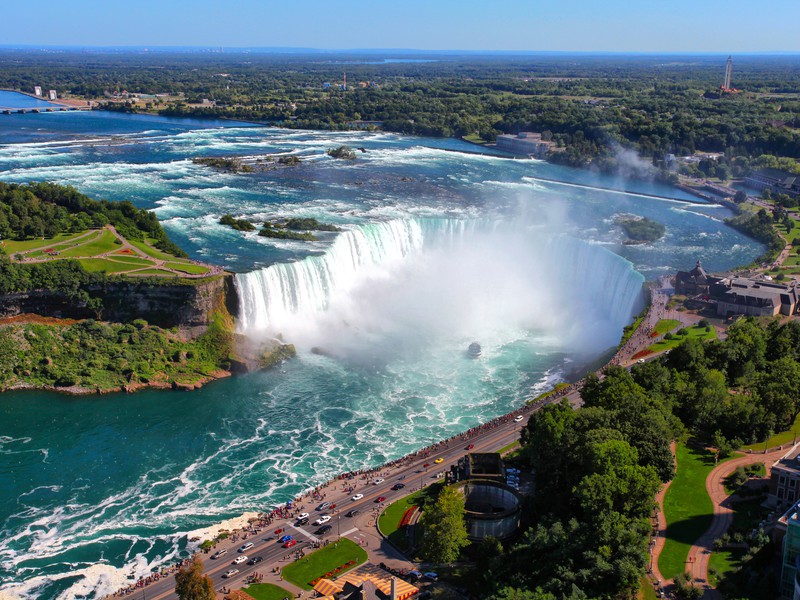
{"type": "Point", "coordinates": [385, 281]}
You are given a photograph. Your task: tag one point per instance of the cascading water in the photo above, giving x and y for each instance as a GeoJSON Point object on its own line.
{"type": "Point", "coordinates": [553, 278]}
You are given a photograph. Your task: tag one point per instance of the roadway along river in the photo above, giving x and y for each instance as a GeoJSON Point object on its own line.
{"type": "Point", "coordinates": [413, 475]}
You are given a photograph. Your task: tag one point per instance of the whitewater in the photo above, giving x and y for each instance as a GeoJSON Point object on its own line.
{"type": "Point", "coordinates": [439, 248]}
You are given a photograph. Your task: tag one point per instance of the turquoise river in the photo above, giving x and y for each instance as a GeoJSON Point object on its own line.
{"type": "Point", "coordinates": [441, 247]}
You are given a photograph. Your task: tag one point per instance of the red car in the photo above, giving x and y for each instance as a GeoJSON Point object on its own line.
{"type": "Point", "coordinates": [380, 498]}
{"type": "Point", "coordinates": [290, 543]}
{"type": "Point", "coordinates": [470, 447]}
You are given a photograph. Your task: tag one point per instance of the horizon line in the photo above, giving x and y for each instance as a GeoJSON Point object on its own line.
{"type": "Point", "coordinates": [222, 49]}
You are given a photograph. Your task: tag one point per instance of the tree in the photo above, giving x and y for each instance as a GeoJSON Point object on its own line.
{"type": "Point", "coordinates": [191, 584]}
{"type": "Point", "coordinates": [444, 530]}
{"type": "Point", "coordinates": [740, 196]}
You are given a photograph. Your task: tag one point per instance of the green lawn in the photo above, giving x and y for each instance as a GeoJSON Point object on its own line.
{"type": "Point", "coordinates": [267, 591]}
{"type": "Point", "coordinates": [747, 514]}
{"type": "Point", "coordinates": [779, 439]}
{"type": "Point", "coordinates": [694, 332]}
{"type": "Point", "coordinates": [474, 138]}
{"type": "Point", "coordinates": [13, 246]}
{"type": "Point", "coordinates": [687, 507]}
{"type": "Point", "coordinates": [323, 561]}
{"type": "Point", "coordinates": [509, 447]}
{"type": "Point", "coordinates": [665, 325]}
{"type": "Point", "coordinates": [105, 242]}
{"type": "Point", "coordinates": [392, 514]}
{"type": "Point", "coordinates": [131, 260]}
{"type": "Point", "coordinates": [646, 590]}
{"type": "Point", "coordinates": [94, 265]}
{"type": "Point", "coordinates": [159, 272]}
{"type": "Point", "coordinates": [151, 251]}
{"type": "Point", "coordinates": [185, 267]}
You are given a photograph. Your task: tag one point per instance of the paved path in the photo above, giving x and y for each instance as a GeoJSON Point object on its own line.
{"type": "Point", "coordinates": [661, 535]}
{"type": "Point", "coordinates": [700, 552]}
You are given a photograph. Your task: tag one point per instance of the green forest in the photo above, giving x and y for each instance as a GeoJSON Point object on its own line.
{"type": "Point", "coordinates": [598, 468]}
{"type": "Point", "coordinates": [592, 106]}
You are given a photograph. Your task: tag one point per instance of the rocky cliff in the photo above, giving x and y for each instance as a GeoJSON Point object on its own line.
{"type": "Point", "coordinates": [188, 303]}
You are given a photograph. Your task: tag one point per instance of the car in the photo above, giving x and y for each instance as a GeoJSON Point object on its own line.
{"type": "Point", "coordinates": [378, 481]}
{"type": "Point", "coordinates": [240, 559]}
{"type": "Point", "coordinates": [230, 573]}
{"type": "Point", "coordinates": [357, 497]}
{"type": "Point", "coordinates": [439, 461]}
{"type": "Point", "coordinates": [398, 486]}
{"type": "Point", "coordinates": [290, 543]}
{"type": "Point", "coordinates": [285, 538]}
{"type": "Point", "coordinates": [640, 361]}
{"type": "Point", "coordinates": [518, 418]}
{"type": "Point", "coordinates": [323, 530]}
{"type": "Point", "coordinates": [431, 575]}
{"type": "Point", "coordinates": [255, 560]}
{"type": "Point", "coordinates": [352, 513]}
{"type": "Point", "coordinates": [323, 506]}
{"type": "Point", "coordinates": [322, 520]}
{"type": "Point", "coordinates": [245, 547]}
{"type": "Point", "coordinates": [470, 447]}
{"type": "Point", "coordinates": [302, 516]}
{"type": "Point", "coordinates": [380, 498]}
{"type": "Point", "coordinates": [218, 553]}
{"type": "Point", "coordinates": [302, 521]}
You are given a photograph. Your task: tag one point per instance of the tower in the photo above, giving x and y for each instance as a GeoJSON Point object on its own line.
{"type": "Point", "coordinates": [344, 83]}
{"type": "Point", "coordinates": [726, 86]}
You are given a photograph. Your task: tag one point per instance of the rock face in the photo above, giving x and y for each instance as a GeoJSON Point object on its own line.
{"type": "Point", "coordinates": [165, 305]}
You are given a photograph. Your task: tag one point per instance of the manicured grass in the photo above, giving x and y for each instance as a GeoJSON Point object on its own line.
{"type": "Point", "coordinates": [687, 507]}
{"type": "Point", "coordinates": [779, 439]}
{"type": "Point", "coordinates": [13, 246]}
{"type": "Point", "coordinates": [160, 272]}
{"type": "Point", "coordinates": [151, 251]}
{"type": "Point", "coordinates": [474, 138]}
{"type": "Point", "coordinates": [646, 590]}
{"type": "Point", "coordinates": [693, 332]}
{"type": "Point", "coordinates": [131, 260]}
{"type": "Point", "coordinates": [105, 242]}
{"type": "Point", "coordinates": [389, 520]}
{"type": "Point", "coordinates": [754, 470]}
{"type": "Point", "coordinates": [508, 448]}
{"type": "Point", "coordinates": [94, 265]}
{"type": "Point", "coordinates": [186, 268]}
{"type": "Point", "coordinates": [627, 332]}
{"type": "Point", "coordinates": [323, 561]}
{"type": "Point", "coordinates": [267, 591]}
{"type": "Point", "coordinates": [665, 325]}
{"type": "Point", "coordinates": [747, 515]}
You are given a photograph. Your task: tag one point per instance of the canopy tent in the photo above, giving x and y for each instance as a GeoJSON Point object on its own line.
{"type": "Point", "coordinates": [326, 587]}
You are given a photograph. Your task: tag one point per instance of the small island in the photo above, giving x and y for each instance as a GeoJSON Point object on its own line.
{"type": "Point", "coordinates": [342, 152]}
{"type": "Point", "coordinates": [231, 165]}
{"type": "Point", "coordinates": [237, 224]}
{"type": "Point", "coordinates": [295, 229]}
{"type": "Point", "coordinates": [640, 230]}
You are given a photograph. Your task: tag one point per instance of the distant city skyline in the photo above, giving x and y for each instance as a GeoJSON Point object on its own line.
{"type": "Point", "coordinates": [680, 26]}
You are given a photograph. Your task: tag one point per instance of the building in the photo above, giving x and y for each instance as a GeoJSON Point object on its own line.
{"type": "Point", "coordinates": [525, 142]}
{"type": "Point", "coordinates": [754, 297]}
{"type": "Point", "coordinates": [366, 582]}
{"type": "Point", "coordinates": [789, 524]}
{"type": "Point", "coordinates": [52, 95]}
{"type": "Point", "coordinates": [37, 90]}
{"type": "Point", "coordinates": [761, 297]}
{"type": "Point", "coordinates": [696, 281]}
{"type": "Point", "coordinates": [784, 480]}
{"type": "Point", "coordinates": [779, 182]}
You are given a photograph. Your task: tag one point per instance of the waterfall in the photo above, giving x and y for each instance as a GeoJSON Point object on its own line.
{"type": "Point", "coordinates": [576, 277]}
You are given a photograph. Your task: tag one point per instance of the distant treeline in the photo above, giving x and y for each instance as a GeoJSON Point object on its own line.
{"type": "Point", "coordinates": [590, 105]}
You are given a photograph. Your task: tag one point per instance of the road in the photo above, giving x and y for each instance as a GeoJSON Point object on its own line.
{"type": "Point", "coordinates": [360, 528]}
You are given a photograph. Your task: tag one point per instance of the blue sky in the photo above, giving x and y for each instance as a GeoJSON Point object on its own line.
{"type": "Point", "coordinates": [728, 26]}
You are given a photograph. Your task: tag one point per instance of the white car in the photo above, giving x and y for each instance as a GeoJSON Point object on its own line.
{"type": "Point", "coordinates": [240, 559]}
{"type": "Point", "coordinates": [245, 547]}
{"type": "Point", "coordinates": [518, 418]}
{"type": "Point", "coordinates": [357, 497]}
{"type": "Point", "coordinates": [230, 573]}
{"type": "Point", "coordinates": [322, 520]}
{"type": "Point", "coordinates": [378, 481]}
{"type": "Point", "coordinates": [302, 516]}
